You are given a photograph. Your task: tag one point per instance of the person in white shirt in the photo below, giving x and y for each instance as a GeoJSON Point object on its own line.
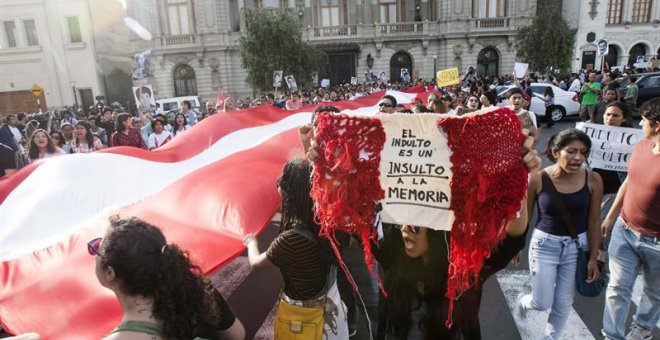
{"type": "Point", "coordinates": [575, 84]}
{"type": "Point", "coordinates": [180, 124]}
{"type": "Point", "coordinates": [160, 136]}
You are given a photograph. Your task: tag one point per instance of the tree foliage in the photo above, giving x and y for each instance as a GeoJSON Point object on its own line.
{"type": "Point", "coordinates": [547, 41]}
{"type": "Point", "coordinates": [274, 42]}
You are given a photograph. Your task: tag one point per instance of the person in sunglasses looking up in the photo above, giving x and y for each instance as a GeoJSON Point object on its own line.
{"type": "Point", "coordinates": [162, 294]}
{"type": "Point", "coordinates": [387, 104]}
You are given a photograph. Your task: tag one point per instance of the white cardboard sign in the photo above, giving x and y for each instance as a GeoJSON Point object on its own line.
{"type": "Point", "coordinates": [611, 146]}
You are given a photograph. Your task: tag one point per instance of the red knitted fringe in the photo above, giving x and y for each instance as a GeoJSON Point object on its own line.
{"type": "Point", "coordinates": [346, 182]}
{"type": "Point", "coordinates": [489, 182]}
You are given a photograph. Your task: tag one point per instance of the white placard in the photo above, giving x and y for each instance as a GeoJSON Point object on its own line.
{"type": "Point", "coordinates": [611, 146]}
{"type": "Point", "coordinates": [415, 172]}
{"type": "Point", "coordinates": [520, 69]}
{"type": "Point", "coordinates": [325, 82]}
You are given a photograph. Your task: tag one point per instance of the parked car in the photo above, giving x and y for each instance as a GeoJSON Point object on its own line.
{"type": "Point", "coordinates": [566, 103]}
{"type": "Point", "coordinates": [169, 104]}
{"type": "Point", "coordinates": [648, 83]}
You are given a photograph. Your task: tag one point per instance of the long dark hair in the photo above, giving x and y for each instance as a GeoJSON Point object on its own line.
{"type": "Point", "coordinates": [145, 264]}
{"type": "Point", "coordinates": [562, 138]}
{"type": "Point", "coordinates": [549, 92]}
{"type": "Point", "coordinates": [401, 285]}
{"type": "Point", "coordinates": [121, 118]}
{"type": "Point", "coordinates": [297, 204]}
{"type": "Point", "coordinates": [33, 149]}
{"type": "Point", "coordinates": [89, 136]}
{"type": "Point", "coordinates": [176, 127]}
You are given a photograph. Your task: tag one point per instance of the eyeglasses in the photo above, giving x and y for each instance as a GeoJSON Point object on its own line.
{"type": "Point", "coordinates": [415, 229]}
{"type": "Point", "coordinates": [385, 105]}
{"type": "Point", "coordinates": [93, 246]}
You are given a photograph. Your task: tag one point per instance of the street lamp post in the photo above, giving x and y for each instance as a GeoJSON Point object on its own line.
{"type": "Point", "coordinates": [435, 59]}
{"type": "Point", "coordinates": [73, 86]}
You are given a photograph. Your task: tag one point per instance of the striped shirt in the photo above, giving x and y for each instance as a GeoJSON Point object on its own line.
{"type": "Point", "coordinates": [299, 260]}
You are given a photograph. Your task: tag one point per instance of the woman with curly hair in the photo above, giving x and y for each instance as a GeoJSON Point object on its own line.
{"type": "Point", "coordinates": [304, 260]}
{"type": "Point", "coordinates": [85, 141]}
{"type": "Point", "coordinates": [162, 294]}
{"type": "Point", "coordinates": [41, 146]}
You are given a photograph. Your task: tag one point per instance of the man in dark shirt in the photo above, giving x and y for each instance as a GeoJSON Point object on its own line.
{"type": "Point", "coordinates": [7, 160]}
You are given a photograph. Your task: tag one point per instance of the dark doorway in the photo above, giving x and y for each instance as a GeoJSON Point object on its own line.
{"type": "Point", "coordinates": [636, 51]}
{"type": "Point", "coordinates": [588, 60]}
{"type": "Point", "coordinates": [488, 62]}
{"type": "Point", "coordinates": [612, 56]}
{"type": "Point", "coordinates": [400, 60]}
{"type": "Point", "coordinates": [87, 99]}
{"type": "Point", "coordinates": [341, 67]}
{"type": "Point", "coordinates": [185, 83]}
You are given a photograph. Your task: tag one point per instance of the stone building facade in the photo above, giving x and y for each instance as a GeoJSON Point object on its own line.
{"type": "Point", "coordinates": [74, 49]}
{"type": "Point", "coordinates": [631, 27]}
{"type": "Point", "coordinates": [194, 50]}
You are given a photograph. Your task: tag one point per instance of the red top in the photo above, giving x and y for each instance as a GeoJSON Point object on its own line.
{"type": "Point", "coordinates": [134, 138]}
{"type": "Point", "coordinates": [641, 205]}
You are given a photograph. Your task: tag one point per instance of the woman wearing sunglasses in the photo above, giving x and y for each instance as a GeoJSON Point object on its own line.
{"type": "Point", "coordinates": [162, 294]}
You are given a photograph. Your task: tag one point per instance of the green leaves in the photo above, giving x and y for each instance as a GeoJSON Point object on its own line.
{"type": "Point", "coordinates": [547, 41]}
{"type": "Point", "coordinates": [273, 42]}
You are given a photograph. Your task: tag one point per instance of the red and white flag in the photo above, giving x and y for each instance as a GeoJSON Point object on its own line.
{"type": "Point", "coordinates": [205, 190]}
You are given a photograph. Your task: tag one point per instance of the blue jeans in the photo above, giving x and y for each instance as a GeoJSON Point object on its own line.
{"type": "Point", "coordinates": [629, 251]}
{"type": "Point", "coordinates": [552, 263]}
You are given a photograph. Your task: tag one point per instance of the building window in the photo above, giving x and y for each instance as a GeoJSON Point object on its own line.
{"type": "Point", "coordinates": [433, 9]}
{"type": "Point", "coordinates": [185, 83]}
{"type": "Point", "coordinates": [215, 79]}
{"type": "Point", "coordinates": [488, 8]}
{"type": "Point", "coordinates": [10, 33]}
{"type": "Point", "coordinates": [269, 3]}
{"type": "Point", "coordinates": [641, 11]}
{"type": "Point", "coordinates": [31, 32]}
{"type": "Point", "coordinates": [614, 12]}
{"type": "Point", "coordinates": [74, 29]}
{"type": "Point", "coordinates": [329, 11]}
{"type": "Point", "coordinates": [178, 17]}
{"type": "Point", "coordinates": [388, 11]}
{"type": "Point", "coordinates": [488, 62]}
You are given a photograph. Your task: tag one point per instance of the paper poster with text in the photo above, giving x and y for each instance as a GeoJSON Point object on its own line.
{"type": "Point", "coordinates": [611, 146]}
{"type": "Point", "coordinates": [415, 172]}
{"type": "Point", "coordinates": [448, 77]}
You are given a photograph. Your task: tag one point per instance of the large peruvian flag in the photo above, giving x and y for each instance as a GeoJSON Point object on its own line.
{"type": "Point", "coordinates": [205, 189]}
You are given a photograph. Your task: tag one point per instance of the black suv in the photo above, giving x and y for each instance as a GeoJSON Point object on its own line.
{"type": "Point", "coordinates": [648, 83]}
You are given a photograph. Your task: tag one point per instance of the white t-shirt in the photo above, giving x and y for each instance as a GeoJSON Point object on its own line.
{"type": "Point", "coordinates": [157, 140]}
{"type": "Point", "coordinates": [575, 86]}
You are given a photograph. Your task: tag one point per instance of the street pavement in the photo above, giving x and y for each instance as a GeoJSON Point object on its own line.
{"type": "Point", "coordinates": [253, 295]}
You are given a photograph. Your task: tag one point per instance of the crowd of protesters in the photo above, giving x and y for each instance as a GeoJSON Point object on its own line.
{"type": "Point", "coordinates": [413, 259]}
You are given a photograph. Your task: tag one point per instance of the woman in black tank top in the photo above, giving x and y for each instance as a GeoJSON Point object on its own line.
{"type": "Point", "coordinates": [552, 251]}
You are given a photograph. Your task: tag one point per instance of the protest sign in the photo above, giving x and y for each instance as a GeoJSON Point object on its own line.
{"type": "Point", "coordinates": [611, 146]}
{"type": "Point", "coordinates": [277, 78]}
{"type": "Point", "coordinates": [325, 82]}
{"type": "Point", "coordinates": [520, 69]}
{"type": "Point", "coordinates": [448, 77]}
{"type": "Point", "coordinates": [415, 172]}
{"type": "Point", "coordinates": [354, 81]}
{"type": "Point", "coordinates": [141, 65]}
{"type": "Point", "coordinates": [291, 83]}
{"type": "Point", "coordinates": [602, 47]}
{"type": "Point", "coordinates": [144, 98]}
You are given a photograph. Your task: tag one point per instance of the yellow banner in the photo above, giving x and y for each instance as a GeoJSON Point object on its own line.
{"type": "Point", "coordinates": [448, 77]}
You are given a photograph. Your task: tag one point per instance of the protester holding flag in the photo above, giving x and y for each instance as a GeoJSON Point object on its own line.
{"type": "Point", "coordinates": [305, 262]}
{"type": "Point", "coordinates": [85, 141]}
{"type": "Point", "coordinates": [553, 251]}
{"type": "Point", "coordinates": [126, 135]}
{"type": "Point", "coordinates": [41, 146]}
{"type": "Point", "coordinates": [162, 294]}
{"type": "Point", "coordinates": [180, 124]}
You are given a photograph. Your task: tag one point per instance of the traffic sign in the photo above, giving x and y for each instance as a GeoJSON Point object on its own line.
{"type": "Point", "coordinates": [36, 90]}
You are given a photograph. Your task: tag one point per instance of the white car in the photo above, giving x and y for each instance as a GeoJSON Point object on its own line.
{"type": "Point", "coordinates": [566, 103]}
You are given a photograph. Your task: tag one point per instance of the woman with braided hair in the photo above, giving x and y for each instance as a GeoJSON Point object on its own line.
{"type": "Point", "coordinates": [305, 262]}
{"type": "Point", "coordinates": [162, 294]}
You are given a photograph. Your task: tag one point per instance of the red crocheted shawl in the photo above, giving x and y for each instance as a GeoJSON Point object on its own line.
{"type": "Point", "coordinates": [488, 184]}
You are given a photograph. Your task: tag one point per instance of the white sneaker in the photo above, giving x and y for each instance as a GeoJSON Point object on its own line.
{"type": "Point", "coordinates": [639, 333]}
{"type": "Point", "coordinates": [520, 313]}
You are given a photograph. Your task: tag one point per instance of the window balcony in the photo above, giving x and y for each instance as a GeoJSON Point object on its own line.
{"type": "Point", "coordinates": [398, 28]}
{"type": "Point", "coordinates": [182, 39]}
{"type": "Point", "coordinates": [489, 23]}
{"type": "Point", "coordinates": [333, 31]}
